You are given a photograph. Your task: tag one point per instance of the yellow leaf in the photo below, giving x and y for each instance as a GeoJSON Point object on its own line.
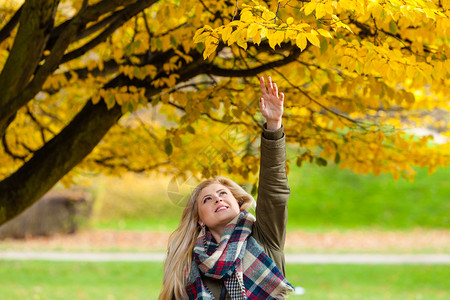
{"type": "Point", "coordinates": [95, 98]}
{"type": "Point", "coordinates": [324, 33]}
{"type": "Point", "coordinates": [257, 38]}
{"type": "Point", "coordinates": [329, 8]}
{"type": "Point", "coordinates": [121, 98]}
{"type": "Point", "coordinates": [279, 37]}
{"type": "Point", "coordinates": [290, 20]}
{"type": "Point", "coordinates": [207, 28]}
{"type": "Point", "coordinates": [272, 39]}
{"type": "Point", "coordinates": [301, 41]}
{"type": "Point", "coordinates": [264, 31]}
{"type": "Point", "coordinates": [252, 30]}
{"type": "Point", "coordinates": [198, 32]}
{"type": "Point", "coordinates": [313, 39]}
{"type": "Point", "coordinates": [429, 13]}
{"type": "Point", "coordinates": [241, 43]}
{"type": "Point", "coordinates": [291, 34]}
{"type": "Point", "coordinates": [396, 3]}
{"type": "Point", "coordinates": [246, 16]}
{"type": "Point", "coordinates": [310, 7]}
{"type": "Point", "coordinates": [320, 10]}
{"type": "Point", "coordinates": [110, 100]}
{"type": "Point", "coordinates": [210, 47]}
{"type": "Point", "coordinates": [100, 65]}
{"type": "Point", "coordinates": [202, 37]}
{"type": "Point", "coordinates": [226, 33]}
{"type": "Point", "coordinates": [166, 67]}
{"type": "Point", "coordinates": [235, 36]}
{"type": "Point", "coordinates": [118, 54]}
{"type": "Point", "coordinates": [268, 15]}
{"type": "Point", "coordinates": [242, 39]}
{"type": "Point", "coordinates": [151, 70]}
{"type": "Point", "coordinates": [301, 26]}
{"type": "Point", "coordinates": [171, 81]}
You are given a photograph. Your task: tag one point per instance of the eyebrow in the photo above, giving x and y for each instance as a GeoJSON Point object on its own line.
{"type": "Point", "coordinates": [221, 189]}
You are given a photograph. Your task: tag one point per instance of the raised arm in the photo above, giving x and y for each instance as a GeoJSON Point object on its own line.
{"type": "Point", "coordinates": [273, 188]}
{"type": "Point", "coordinates": [271, 103]}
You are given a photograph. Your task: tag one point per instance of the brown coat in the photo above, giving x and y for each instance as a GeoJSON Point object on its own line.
{"type": "Point", "coordinates": [269, 229]}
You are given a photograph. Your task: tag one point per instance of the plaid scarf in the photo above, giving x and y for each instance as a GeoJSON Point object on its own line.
{"type": "Point", "coordinates": [238, 259]}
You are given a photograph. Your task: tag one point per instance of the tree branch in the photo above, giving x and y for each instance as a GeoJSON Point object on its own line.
{"type": "Point", "coordinates": [366, 31]}
{"type": "Point", "coordinates": [104, 162]}
{"type": "Point", "coordinates": [36, 21]}
{"type": "Point", "coordinates": [215, 70]}
{"type": "Point", "coordinates": [235, 11]}
{"type": "Point", "coordinates": [6, 30]}
{"type": "Point", "coordinates": [207, 115]}
{"type": "Point", "coordinates": [86, 14]}
{"type": "Point", "coordinates": [121, 17]}
{"type": "Point", "coordinates": [42, 128]}
{"type": "Point", "coordinates": [207, 8]}
{"type": "Point", "coordinates": [85, 33]}
{"type": "Point", "coordinates": [9, 152]}
{"type": "Point", "coordinates": [276, 15]}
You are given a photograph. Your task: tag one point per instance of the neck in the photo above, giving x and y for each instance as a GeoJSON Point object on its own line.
{"type": "Point", "coordinates": [216, 233]}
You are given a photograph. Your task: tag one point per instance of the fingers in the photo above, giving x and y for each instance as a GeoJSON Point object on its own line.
{"type": "Point", "coordinates": [261, 104]}
{"type": "Point", "coordinates": [272, 88]}
{"type": "Point", "coordinates": [275, 89]}
{"type": "Point", "coordinates": [281, 97]}
{"type": "Point", "coordinates": [263, 85]}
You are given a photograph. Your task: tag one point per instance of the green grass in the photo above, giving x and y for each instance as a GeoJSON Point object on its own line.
{"type": "Point", "coordinates": [370, 282]}
{"type": "Point", "coordinates": [79, 280]}
{"type": "Point", "coordinates": [330, 198]}
{"type": "Point", "coordinates": [86, 280]}
{"type": "Point", "coordinates": [138, 224]}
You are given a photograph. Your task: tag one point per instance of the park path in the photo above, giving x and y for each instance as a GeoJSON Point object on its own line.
{"type": "Point", "coordinates": [348, 258]}
{"type": "Point", "coordinates": [352, 247]}
{"type": "Point", "coordinates": [354, 241]}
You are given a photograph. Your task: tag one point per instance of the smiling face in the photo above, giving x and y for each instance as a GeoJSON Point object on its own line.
{"type": "Point", "coordinates": [217, 206]}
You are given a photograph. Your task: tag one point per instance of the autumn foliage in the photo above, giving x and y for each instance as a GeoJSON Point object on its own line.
{"type": "Point", "coordinates": [172, 86]}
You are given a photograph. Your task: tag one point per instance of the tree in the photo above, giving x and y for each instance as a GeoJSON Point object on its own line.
{"type": "Point", "coordinates": [81, 80]}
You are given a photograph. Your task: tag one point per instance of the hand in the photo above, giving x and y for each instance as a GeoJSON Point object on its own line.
{"type": "Point", "coordinates": [270, 104]}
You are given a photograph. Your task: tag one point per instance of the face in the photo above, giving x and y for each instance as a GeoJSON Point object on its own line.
{"type": "Point", "coordinates": [217, 206]}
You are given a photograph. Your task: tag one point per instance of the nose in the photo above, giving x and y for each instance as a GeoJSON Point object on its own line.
{"type": "Point", "coordinates": [218, 200]}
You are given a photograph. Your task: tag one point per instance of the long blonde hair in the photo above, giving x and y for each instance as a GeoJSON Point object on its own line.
{"type": "Point", "coordinates": [177, 266]}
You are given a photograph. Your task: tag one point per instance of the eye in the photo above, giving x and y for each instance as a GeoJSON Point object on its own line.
{"type": "Point", "coordinates": [206, 199]}
{"type": "Point", "coordinates": [222, 192]}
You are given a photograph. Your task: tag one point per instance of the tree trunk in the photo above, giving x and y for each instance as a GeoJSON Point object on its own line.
{"type": "Point", "coordinates": [55, 159]}
{"type": "Point", "coordinates": [36, 21]}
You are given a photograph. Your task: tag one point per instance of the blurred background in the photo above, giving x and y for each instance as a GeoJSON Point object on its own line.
{"type": "Point", "coordinates": [331, 211]}
{"type": "Point", "coordinates": [366, 86]}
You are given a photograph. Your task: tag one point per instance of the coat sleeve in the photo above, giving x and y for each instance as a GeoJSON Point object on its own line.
{"type": "Point", "coordinates": [273, 191]}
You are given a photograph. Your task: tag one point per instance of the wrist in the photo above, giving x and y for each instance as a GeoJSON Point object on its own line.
{"type": "Point", "coordinates": [273, 124]}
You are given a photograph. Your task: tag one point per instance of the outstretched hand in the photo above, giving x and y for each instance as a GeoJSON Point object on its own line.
{"type": "Point", "coordinates": [271, 104]}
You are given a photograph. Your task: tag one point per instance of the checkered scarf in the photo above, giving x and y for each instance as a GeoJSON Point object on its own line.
{"type": "Point", "coordinates": [248, 272]}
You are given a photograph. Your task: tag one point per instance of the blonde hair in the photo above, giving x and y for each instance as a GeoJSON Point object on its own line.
{"type": "Point", "coordinates": [178, 263]}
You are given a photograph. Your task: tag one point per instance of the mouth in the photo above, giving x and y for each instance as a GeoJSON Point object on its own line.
{"type": "Point", "coordinates": [221, 208]}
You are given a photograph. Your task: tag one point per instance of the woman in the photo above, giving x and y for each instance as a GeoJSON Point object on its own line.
{"type": "Point", "coordinates": [219, 251]}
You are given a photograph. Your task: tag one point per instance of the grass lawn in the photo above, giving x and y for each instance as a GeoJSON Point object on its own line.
{"type": "Point", "coordinates": [330, 198]}
{"type": "Point", "coordinates": [77, 280]}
